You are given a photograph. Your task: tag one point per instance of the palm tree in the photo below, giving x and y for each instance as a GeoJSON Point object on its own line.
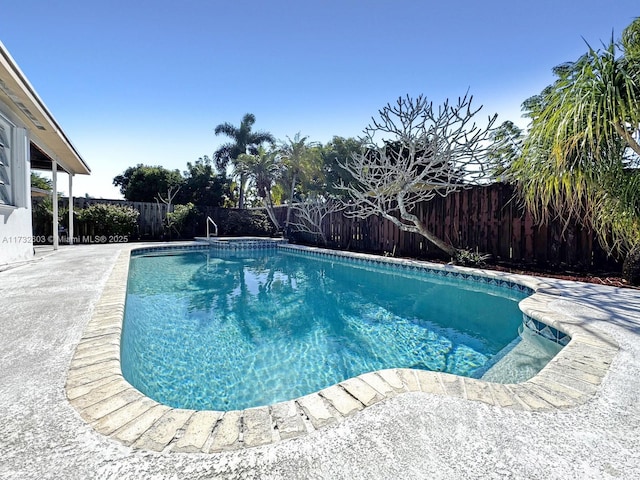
{"type": "Point", "coordinates": [580, 159]}
{"type": "Point", "coordinates": [294, 154]}
{"type": "Point", "coordinates": [244, 140]}
{"type": "Point", "coordinates": [263, 168]}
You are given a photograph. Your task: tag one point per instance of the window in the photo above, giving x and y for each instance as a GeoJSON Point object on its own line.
{"type": "Point", "coordinates": [6, 197]}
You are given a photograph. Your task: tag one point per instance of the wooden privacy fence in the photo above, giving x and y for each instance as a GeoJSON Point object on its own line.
{"type": "Point", "coordinates": [484, 219]}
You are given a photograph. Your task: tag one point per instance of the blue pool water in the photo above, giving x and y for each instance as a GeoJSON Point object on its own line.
{"type": "Point", "coordinates": [231, 330]}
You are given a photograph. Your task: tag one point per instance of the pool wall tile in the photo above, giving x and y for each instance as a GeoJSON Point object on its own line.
{"type": "Point", "coordinates": [546, 331]}
{"type": "Point", "coordinates": [445, 271]}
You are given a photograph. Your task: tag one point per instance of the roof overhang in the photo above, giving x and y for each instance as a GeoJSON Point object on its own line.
{"type": "Point", "coordinates": [39, 192]}
{"type": "Point", "coordinates": [48, 140]}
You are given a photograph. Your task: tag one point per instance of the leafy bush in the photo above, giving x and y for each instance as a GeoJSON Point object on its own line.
{"type": "Point", "coordinates": [183, 220]}
{"type": "Point", "coordinates": [470, 258]}
{"type": "Point", "coordinates": [103, 219]}
{"type": "Point", "coordinates": [247, 222]}
{"type": "Point", "coordinates": [42, 217]}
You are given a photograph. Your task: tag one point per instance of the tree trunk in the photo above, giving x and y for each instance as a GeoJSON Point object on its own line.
{"type": "Point", "coordinates": [628, 137]}
{"type": "Point", "coordinates": [323, 237]}
{"type": "Point", "coordinates": [631, 267]}
{"type": "Point", "coordinates": [421, 227]}
{"type": "Point", "coordinates": [293, 189]}
{"type": "Point", "coordinates": [442, 245]}
{"type": "Point", "coordinates": [241, 192]}
{"type": "Point", "coordinates": [268, 204]}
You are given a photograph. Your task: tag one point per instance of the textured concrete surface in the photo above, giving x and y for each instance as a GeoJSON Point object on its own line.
{"type": "Point", "coordinates": [47, 306]}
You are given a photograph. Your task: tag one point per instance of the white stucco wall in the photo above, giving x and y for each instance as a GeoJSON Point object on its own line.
{"type": "Point", "coordinates": [16, 242]}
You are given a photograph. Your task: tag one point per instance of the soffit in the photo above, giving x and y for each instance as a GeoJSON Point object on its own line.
{"type": "Point", "coordinates": [23, 101]}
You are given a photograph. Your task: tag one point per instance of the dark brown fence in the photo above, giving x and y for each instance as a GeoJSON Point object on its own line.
{"type": "Point", "coordinates": [484, 219]}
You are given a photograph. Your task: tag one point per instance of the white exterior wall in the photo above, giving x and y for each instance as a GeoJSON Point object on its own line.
{"type": "Point", "coordinates": [16, 243]}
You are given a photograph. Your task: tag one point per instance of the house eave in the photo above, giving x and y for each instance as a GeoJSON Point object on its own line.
{"type": "Point", "coordinates": [45, 132]}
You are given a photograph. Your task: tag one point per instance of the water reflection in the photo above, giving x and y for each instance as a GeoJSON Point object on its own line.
{"type": "Point", "coordinates": [233, 330]}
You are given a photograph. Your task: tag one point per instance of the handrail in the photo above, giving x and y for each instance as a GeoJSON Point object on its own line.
{"type": "Point", "coordinates": [210, 220]}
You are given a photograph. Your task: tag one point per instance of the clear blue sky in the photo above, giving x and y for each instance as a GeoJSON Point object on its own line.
{"type": "Point", "coordinates": [142, 81]}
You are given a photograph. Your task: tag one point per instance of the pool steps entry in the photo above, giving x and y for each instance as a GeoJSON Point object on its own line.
{"type": "Point", "coordinates": [104, 399]}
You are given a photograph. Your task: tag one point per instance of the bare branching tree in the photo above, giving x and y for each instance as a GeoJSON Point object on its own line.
{"type": "Point", "coordinates": [172, 191]}
{"type": "Point", "coordinates": [310, 214]}
{"type": "Point", "coordinates": [171, 194]}
{"type": "Point", "coordinates": [413, 153]}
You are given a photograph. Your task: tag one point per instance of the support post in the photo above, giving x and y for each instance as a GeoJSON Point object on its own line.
{"type": "Point", "coordinates": [70, 232]}
{"type": "Point", "coordinates": [54, 201]}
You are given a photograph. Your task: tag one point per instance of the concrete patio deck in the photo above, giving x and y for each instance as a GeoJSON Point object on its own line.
{"type": "Point", "coordinates": [48, 304]}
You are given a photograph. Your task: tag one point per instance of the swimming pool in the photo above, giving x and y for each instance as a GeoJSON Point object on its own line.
{"type": "Point", "coordinates": [233, 329]}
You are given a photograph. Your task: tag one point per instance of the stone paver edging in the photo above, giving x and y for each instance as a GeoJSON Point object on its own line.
{"type": "Point", "coordinates": [96, 388]}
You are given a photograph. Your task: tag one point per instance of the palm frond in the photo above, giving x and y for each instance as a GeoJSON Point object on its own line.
{"type": "Point", "coordinates": [227, 129]}
{"type": "Point", "coordinates": [574, 157]}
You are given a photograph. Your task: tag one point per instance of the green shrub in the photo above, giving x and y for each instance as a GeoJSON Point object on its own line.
{"type": "Point", "coordinates": [183, 220]}
{"type": "Point", "coordinates": [470, 258]}
{"type": "Point", "coordinates": [109, 220]}
{"type": "Point", "coordinates": [42, 217]}
{"type": "Point", "coordinates": [247, 222]}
